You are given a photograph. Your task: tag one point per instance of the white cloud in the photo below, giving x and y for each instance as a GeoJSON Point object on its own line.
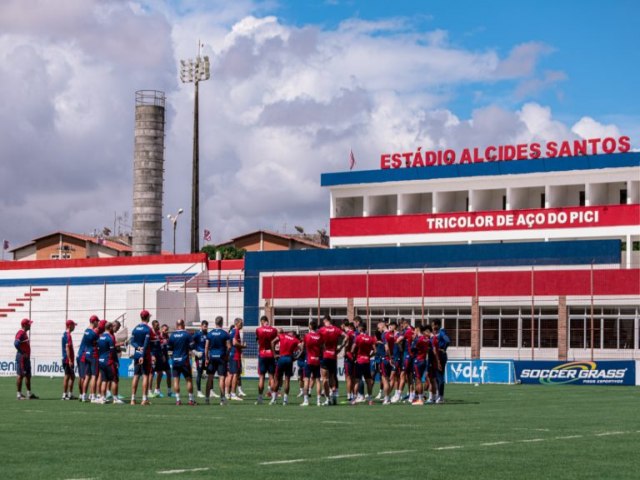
{"type": "Point", "coordinates": [587, 127]}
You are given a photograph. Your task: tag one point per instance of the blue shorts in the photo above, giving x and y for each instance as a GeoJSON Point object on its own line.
{"type": "Point", "coordinates": [349, 367]}
{"type": "Point", "coordinates": [162, 365]}
{"type": "Point", "coordinates": [285, 366]}
{"type": "Point", "coordinates": [407, 365]}
{"type": "Point", "coordinates": [330, 365]}
{"type": "Point", "coordinates": [81, 372]}
{"type": "Point", "coordinates": [108, 372]}
{"type": "Point", "coordinates": [301, 370]}
{"type": "Point", "coordinates": [144, 369]}
{"type": "Point", "coordinates": [419, 368]}
{"type": "Point", "coordinates": [184, 370]}
{"type": "Point", "coordinates": [312, 371]}
{"type": "Point", "coordinates": [217, 365]}
{"type": "Point", "coordinates": [386, 368]}
{"type": "Point", "coordinates": [68, 370]}
{"type": "Point", "coordinates": [363, 370]}
{"type": "Point", "coordinates": [235, 367]}
{"type": "Point", "coordinates": [266, 365]}
{"type": "Point", "coordinates": [23, 365]}
{"type": "Point", "coordinates": [90, 366]}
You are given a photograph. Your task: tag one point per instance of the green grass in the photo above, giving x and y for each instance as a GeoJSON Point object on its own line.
{"type": "Point", "coordinates": [52, 439]}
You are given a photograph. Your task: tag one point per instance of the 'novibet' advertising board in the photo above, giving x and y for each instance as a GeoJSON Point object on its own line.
{"type": "Point", "coordinates": [577, 373]}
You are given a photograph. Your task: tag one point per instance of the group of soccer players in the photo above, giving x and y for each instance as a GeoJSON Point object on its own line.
{"type": "Point", "coordinates": [398, 354]}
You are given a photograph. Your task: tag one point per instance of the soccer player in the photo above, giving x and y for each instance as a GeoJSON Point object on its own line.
{"type": "Point", "coordinates": [301, 362]}
{"type": "Point", "coordinates": [180, 344]}
{"type": "Point", "coordinates": [332, 338]}
{"type": "Point", "coordinates": [23, 360]}
{"type": "Point", "coordinates": [383, 362]}
{"type": "Point", "coordinates": [116, 361]}
{"type": "Point", "coordinates": [161, 357]}
{"type": "Point", "coordinates": [68, 361]}
{"type": "Point", "coordinates": [349, 330]}
{"type": "Point", "coordinates": [141, 342]}
{"type": "Point", "coordinates": [216, 352]}
{"type": "Point", "coordinates": [106, 350]}
{"type": "Point", "coordinates": [362, 349]}
{"type": "Point", "coordinates": [199, 340]}
{"type": "Point", "coordinates": [312, 344]}
{"type": "Point", "coordinates": [443, 341]}
{"type": "Point", "coordinates": [235, 359]}
{"type": "Point", "coordinates": [423, 353]}
{"type": "Point", "coordinates": [289, 344]}
{"type": "Point", "coordinates": [265, 333]}
{"type": "Point", "coordinates": [88, 360]}
{"type": "Point", "coordinates": [406, 367]}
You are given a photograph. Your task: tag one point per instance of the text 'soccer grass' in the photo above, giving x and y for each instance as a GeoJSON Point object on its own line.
{"type": "Point", "coordinates": [485, 432]}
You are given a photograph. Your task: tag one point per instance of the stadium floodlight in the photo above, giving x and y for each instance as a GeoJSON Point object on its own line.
{"type": "Point", "coordinates": [174, 221]}
{"type": "Point", "coordinates": [195, 71]}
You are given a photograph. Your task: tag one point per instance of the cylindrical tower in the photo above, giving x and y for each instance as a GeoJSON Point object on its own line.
{"type": "Point", "coordinates": [148, 171]}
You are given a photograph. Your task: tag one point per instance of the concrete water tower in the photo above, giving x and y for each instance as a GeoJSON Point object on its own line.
{"type": "Point", "coordinates": [148, 172]}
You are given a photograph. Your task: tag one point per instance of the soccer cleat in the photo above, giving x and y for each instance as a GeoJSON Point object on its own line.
{"type": "Point", "coordinates": [214, 394]}
{"type": "Point", "coordinates": [145, 403]}
{"type": "Point", "coordinates": [64, 397]}
{"type": "Point", "coordinates": [20, 396]}
{"type": "Point", "coordinates": [359, 399]}
{"type": "Point", "coordinates": [160, 395]}
{"type": "Point", "coordinates": [192, 403]}
{"type": "Point", "coordinates": [99, 401]}
{"type": "Point", "coordinates": [273, 401]}
{"type": "Point", "coordinates": [439, 400]}
{"type": "Point", "coordinates": [259, 401]}
{"type": "Point", "coordinates": [178, 403]}
{"type": "Point", "coordinates": [152, 395]}
{"type": "Point", "coordinates": [33, 396]}
{"type": "Point", "coordinates": [386, 402]}
{"type": "Point", "coordinates": [300, 394]}
{"type": "Point", "coordinates": [72, 397]}
{"type": "Point", "coordinates": [379, 396]}
{"type": "Point", "coordinates": [223, 401]}
{"type": "Point", "coordinates": [233, 396]}
{"type": "Point", "coordinates": [200, 394]}
{"type": "Point", "coordinates": [117, 401]}
{"type": "Point", "coordinates": [429, 402]}
{"type": "Point", "coordinates": [305, 403]}
{"type": "Point", "coordinates": [170, 394]}
{"type": "Point", "coordinates": [395, 398]}
{"type": "Point", "coordinates": [241, 392]}
{"type": "Point", "coordinates": [417, 402]}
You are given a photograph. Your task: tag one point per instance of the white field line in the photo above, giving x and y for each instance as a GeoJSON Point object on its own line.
{"type": "Point", "coordinates": [392, 452]}
{"type": "Point", "coordinates": [493, 444]}
{"type": "Point", "coordinates": [337, 422]}
{"type": "Point", "coordinates": [282, 462]}
{"type": "Point", "coordinates": [450, 447]}
{"type": "Point", "coordinates": [185, 470]}
{"type": "Point", "coordinates": [347, 455]}
{"type": "Point", "coordinates": [531, 440]}
{"type": "Point", "coordinates": [568, 437]}
{"type": "Point", "coordinates": [606, 434]}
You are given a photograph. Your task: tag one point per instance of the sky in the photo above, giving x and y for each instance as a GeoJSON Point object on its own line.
{"type": "Point", "coordinates": [295, 86]}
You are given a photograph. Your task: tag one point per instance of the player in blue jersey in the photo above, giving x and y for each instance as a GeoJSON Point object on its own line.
{"type": "Point", "coordinates": [216, 355]}
{"type": "Point", "coordinates": [106, 350]}
{"type": "Point", "coordinates": [301, 363]}
{"type": "Point", "coordinates": [383, 363]}
{"type": "Point", "coordinates": [199, 341]}
{"type": "Point", "coordinates": [180, 345]}
{"type": "Point", "coordinates": [160, 357]}
{"type": "Point", "coordinates": [88, 361]}
{"type": "Point", "coordinates": [443, 343]}
{"type": "Point", "coordinates": [68, 360]}
{"type": "Point", "coordinates": [141, 343]}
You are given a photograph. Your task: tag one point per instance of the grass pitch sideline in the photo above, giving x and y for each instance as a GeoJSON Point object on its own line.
{"type": "Point", "coordinates": [486, 432]}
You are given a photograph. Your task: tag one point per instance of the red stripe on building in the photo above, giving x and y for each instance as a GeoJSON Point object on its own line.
{"type": "Point", "coordinates": [105, 262]}
{"type": "Point", "coordinates": [569, 217]}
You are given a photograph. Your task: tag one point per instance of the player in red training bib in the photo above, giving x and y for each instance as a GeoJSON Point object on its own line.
{"type": "Point", "coordinates": [332, 342]}
{"type": "Point", "coordinates": [362, 349]}
{"type": "Point", "coordinates": [313, 346]}
{"type": "Point", "coordinates": [289, 346]}
{"type": "Point", "coordinates": [265, 333]}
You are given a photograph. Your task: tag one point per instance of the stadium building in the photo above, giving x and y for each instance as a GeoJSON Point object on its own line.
{"type": "Point", "coordinates": [523, 258]}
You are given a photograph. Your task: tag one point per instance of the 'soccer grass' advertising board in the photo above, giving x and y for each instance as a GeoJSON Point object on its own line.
{"type": "Point", "coordinates": [577, 373]}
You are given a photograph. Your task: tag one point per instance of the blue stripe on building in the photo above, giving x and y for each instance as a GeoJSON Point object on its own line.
{"type": "Point", "coordinates": [566, 253]}
{"type": "Point", "coordinates": [515, 167]}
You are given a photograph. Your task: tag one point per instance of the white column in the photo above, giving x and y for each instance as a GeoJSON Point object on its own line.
{"type": "Point", "coordinates": [365, 206]}
{"type": "Point", "coordinates": [629, 250]}
{"type": "Point", "coordinates": [400, 204]}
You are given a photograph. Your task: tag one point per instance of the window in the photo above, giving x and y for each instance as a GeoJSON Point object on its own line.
{"type": "Point", "coordinates": [490, 332]}
{"type": "Point", "coordinates": [543, 200]}
{"type": "Point", "coordinates": [623, 196]}
{"type": "Point", "coordinates": [582, 197]}
{"type": "Point", "coordinates": [613, 327]}
{"type": "Point", "coordinates": [301, 316]}
{"type": "Point", "coordinates": [514, 327]}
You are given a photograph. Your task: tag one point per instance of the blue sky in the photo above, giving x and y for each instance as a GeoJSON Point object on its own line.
{"type": "Point", "coordinates": [296, 85]}
{"type": "Point", "coordinates": [594, 42]}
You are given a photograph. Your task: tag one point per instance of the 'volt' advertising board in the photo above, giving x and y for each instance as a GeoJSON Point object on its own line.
{"type": "Point", "coordinates": [480, 371]}
{"type": "Point", "coordinates": [577, 373]}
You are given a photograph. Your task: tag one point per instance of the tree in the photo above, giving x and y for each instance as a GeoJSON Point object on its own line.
{"type": "Point", "coordinates": [227, 252]}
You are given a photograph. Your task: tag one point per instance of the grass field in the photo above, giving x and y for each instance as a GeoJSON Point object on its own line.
{"type": "Point", "coordinates": [485, 432]}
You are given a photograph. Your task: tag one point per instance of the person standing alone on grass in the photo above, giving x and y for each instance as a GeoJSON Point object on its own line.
{"type": "Point", "coordinates": [141, 342]}
{"type": "Point", "coordinates": [199, 340]}
{"type": "Point", "coordinates": [68, 361]}
{"type": "Point", "coordinates": [180, 345]}
{"type": "Point", "coordinates": [216, 352]}
{"type": "Point", "coordinates": [23, 360]}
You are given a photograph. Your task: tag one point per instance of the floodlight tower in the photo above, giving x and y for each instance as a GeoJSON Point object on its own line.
{"type": "Point", "coordinates": [195, 71]}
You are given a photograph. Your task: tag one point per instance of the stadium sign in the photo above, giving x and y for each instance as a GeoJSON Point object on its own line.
{"type": "Point", "coordinates": [501, 153]}
{"type": "Point", "coordinates": [576, 373]}
{"type": "Point", "coordinates": [480, 371]}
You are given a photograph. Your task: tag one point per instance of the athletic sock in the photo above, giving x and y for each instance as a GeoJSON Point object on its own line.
{"type": "Point", "coordinates": [285, 398]}
{"type": "Point", "coordinates": [190, 396]}
{"type": "Point", "coordinates": [306, 398]}
{"type": "Point", "coordinates": [144, 398]}
{"type": "Point", "coordinates": [133, 397]}
{"type": "Point", "coordinates": [259, 396]}
{"type": "Point", "coordinates": [177, 397]}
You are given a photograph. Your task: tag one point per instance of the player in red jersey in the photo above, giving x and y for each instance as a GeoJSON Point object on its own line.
{"type": "Point", "coordinates": [289, 346]}
{"type": "Point", "coordinates": [362, 349]}
{"type": "Point", "coordinates": [349, 330]}
{"type": "Point", "coordinates": [332, 342]}
{"type": "Point", "coordinates": [68, 361]}
{"type": "Point", "coordinates": [23, 360]}
{"type": "Point", "coordinates": [265, 333]}
{"type": "Point", "coordinates": [313, 345]}
{"type": "Point", "coordinates": [422, 348]}
{"type": "Point", "coordinates": [435, 367]}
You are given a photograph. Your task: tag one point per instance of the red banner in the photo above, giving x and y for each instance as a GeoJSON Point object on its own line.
{"type": "Point", "coordinates": [567, 217]}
